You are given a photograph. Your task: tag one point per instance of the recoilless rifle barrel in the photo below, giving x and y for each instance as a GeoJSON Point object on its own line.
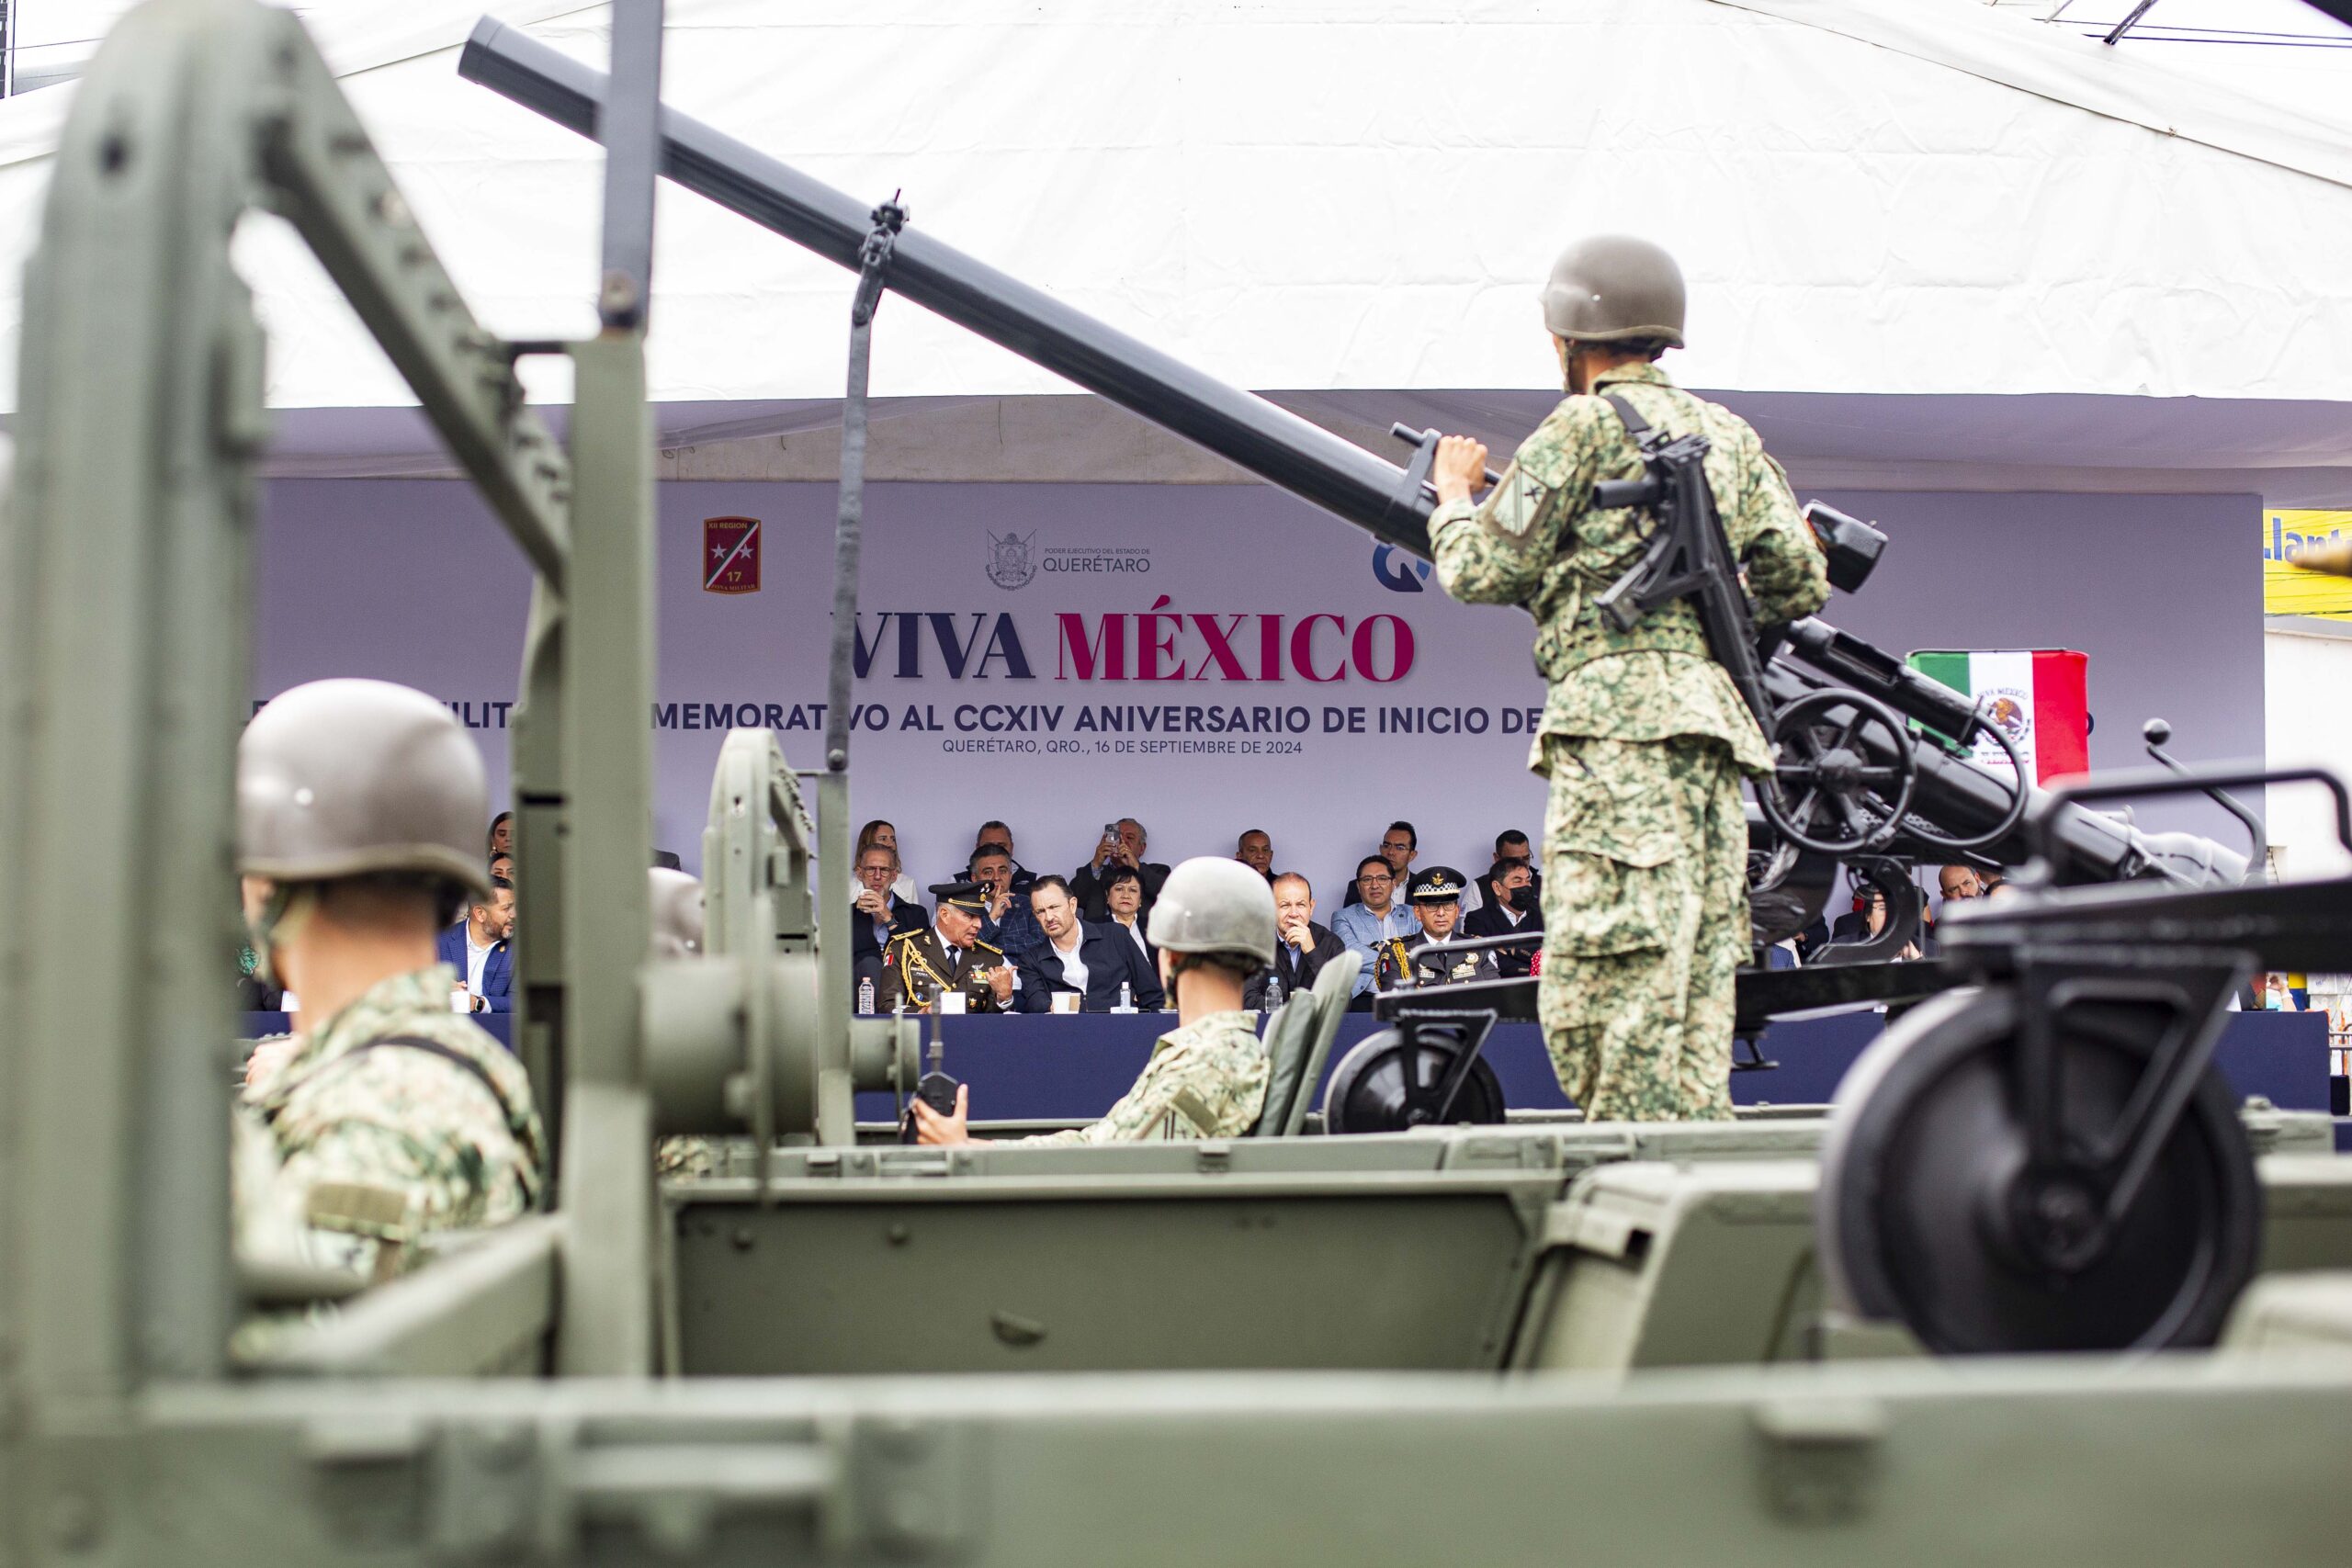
{"type": "Point", "coordinates": [1272, 443]}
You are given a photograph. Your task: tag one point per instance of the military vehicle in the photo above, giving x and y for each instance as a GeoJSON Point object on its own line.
{"type": "Point", "coordinates": [503, 1401]}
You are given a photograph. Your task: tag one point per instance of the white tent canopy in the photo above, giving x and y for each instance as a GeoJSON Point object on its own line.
{"type": "Point", "coordinates": [1930, 242]}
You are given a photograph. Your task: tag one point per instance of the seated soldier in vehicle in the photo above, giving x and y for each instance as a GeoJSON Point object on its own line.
{"type": "Point", "coordinates": [388, 1115]}
{"type": "Point", "coordinates": [1214, 927]}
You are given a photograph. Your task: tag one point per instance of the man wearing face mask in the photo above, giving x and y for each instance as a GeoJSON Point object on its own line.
{"type": "Point", "coordinates": [1511, 911]}
{"type": "Point", "coordinates": [1644, 738]}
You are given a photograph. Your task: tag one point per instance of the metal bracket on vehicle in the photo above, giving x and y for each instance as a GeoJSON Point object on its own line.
{"type": "Point", "coordinates": [1820, 1458]}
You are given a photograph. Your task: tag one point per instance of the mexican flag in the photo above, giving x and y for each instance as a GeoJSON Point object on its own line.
{"type": "Point", "coordinates": [2039, 697]}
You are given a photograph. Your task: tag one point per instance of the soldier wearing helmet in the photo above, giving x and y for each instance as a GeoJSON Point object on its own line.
{"type": "Point", "coordinates": [1214, 925]}
{"type": "Point", "coordinates": [1643, 737]}
{"type": "Point", "coordinates": [359, 807]}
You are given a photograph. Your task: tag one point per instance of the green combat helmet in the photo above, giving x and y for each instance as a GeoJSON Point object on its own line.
{"type": "Point", "coordinates": [352, 778]}
{"type": "Point", "coordinates": [1614, 288]}
{"type": "Point", "coordinates": [1213, 905]}
{"type": "Point", "coordinates": [677, 913]}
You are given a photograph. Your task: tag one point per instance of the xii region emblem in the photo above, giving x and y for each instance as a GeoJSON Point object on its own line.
{"type": "Point", "coordinates": [730, 555]}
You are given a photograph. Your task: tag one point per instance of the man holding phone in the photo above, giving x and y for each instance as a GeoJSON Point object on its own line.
{"type": "Point", "coordinates": [1124, 843]}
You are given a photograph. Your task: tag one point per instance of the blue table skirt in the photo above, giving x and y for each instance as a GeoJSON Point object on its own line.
{"type": "Point", "coordinates": [1071, 1067]}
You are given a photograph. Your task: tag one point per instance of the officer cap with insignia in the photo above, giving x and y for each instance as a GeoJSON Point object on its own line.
{"type": "Point", "coordinates": [962, 895]}
{"type": "Point", "coordinates": [1438, 884]}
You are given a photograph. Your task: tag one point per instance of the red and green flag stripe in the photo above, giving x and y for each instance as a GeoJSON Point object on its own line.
{"type": "Point", "coordinates": [2040, 697]}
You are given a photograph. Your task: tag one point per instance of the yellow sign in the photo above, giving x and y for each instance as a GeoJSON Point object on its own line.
{"type": "Point", "coordinates": [2287, 592]}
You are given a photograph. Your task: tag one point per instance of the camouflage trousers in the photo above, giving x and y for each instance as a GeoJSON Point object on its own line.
{"type": "Point", "coordinates": [1645, 925]}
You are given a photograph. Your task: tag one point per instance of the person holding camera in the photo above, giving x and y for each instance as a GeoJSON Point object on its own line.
{"type": "Point", "coordinates": [1124, 843]}
{"type": "Point", "coordinates": [1006, 920]}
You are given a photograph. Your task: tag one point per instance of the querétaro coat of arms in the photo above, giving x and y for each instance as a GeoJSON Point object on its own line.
{"type": "Point", "coordinates": [1012, 558]}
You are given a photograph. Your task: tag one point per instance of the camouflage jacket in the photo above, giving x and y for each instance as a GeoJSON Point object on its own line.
{"type": "Point", "coordinates": [1205, 1080]}
{"type": "Point", "coordinates": [1536, 541]}
{"type": "Point", "coordinates": [396, 1119]}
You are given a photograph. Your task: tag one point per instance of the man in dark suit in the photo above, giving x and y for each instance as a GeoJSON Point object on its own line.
{"type": "Point", "coordinates": [995, 834]}
{"type": "Point", "coordinates": [1124, 845]}
{"type": "Point", "coordinates": [1301, 947]}
{"type": "Point", "coordinates": [1510, 847]}
{"type": "Point", "coordinates": [1872, 920]}
{"type": "Point", "coordinates": [480, 948]}
{"type": "Point", "coordinates": [1089, 960]}
{"type": "Point", "coordinates": [878, 915]}
{"type": "Point", "coordinates": [1509, 909]}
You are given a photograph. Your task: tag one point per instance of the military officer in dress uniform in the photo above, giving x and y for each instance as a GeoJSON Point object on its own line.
{"type": "Point", "coordinates": [1436, 897]}
{"type": "Point", "coordinates": [950, 956]}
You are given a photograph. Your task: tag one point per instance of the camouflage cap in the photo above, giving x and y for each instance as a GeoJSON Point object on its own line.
{"type": "Point", "coordinates": [344, 778]}
{"type": "Point", "coordinates": [677, 913]}
{"type": "Point", "coordinates": [1614, 288]}
{"type": "Point", "coordinates": [1211, 904]}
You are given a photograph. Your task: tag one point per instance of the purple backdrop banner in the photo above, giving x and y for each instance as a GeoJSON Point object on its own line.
{"type": "Point", "coordinates": [1207, 658]}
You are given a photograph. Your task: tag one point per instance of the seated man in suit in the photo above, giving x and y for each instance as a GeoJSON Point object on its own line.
{"type": "Point", "coordinates": [1510, 845]}
{"type": "Point", "coordinates": [1509, 909]}
{"type": "Point", "coordinates": [480, 948]}
{"type": "Point", "coordinates": [1301, 947]}
{"type": "Point", "coordinates": [1006, 921]}
{"type": "Point", "coordinates": [1092, 960]}
{"type": "Point", "coordinates": [1125, 845]}
{"type": "Point", "coordinates": [879, 915]}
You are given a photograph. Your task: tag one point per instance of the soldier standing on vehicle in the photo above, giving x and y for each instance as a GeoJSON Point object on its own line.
{"type": "Point", "coordinates": [1644, 738]}
{"type": "Point", "coordinates": [1214, 927]}
{"type": "Point", "coordinates": [388, 1114]}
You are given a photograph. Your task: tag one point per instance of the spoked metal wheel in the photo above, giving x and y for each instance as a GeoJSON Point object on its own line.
{"type": "Point", "coordinates": [1399, 1078]}
{"type": "Point", "coordinates": [1931, 1213]}
{"type": "Point", "coordinates": [1829, 793]}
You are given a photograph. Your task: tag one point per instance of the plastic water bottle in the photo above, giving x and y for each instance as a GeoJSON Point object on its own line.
{"type": "Point", "coordinates": [1273, 992]}
{"type": "Point", "coordinates": [1127, 997]}
{"type": "Point", "coordinates": [865, 994]}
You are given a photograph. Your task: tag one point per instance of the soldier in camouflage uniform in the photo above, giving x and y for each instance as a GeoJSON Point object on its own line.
{"type": "Point", "coordinates": [1214, 925]}
{"type": "Point", "coordinates": [390, 1115]}
{"type": "Point", "coordinates": [1643, 737]}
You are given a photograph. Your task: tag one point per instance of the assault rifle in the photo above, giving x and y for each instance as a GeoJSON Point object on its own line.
{"type": "Point", "coordinates": [1685, 556]}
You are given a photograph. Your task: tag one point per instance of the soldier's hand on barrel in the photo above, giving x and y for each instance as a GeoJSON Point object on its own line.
{"type": "Point", "coordinates": [931, 1127]}
{"type": "Point", "coordinates": [1461, 464]}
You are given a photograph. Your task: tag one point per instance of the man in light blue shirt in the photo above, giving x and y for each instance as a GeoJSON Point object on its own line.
{"type": "Point", "coordinates": [1381, 915]}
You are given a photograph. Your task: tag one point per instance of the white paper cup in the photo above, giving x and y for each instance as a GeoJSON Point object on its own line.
{"type": "Point", "coordinates": [951, 1003]}
{"type": "Point", "coordinates": [1067, 1001]}
{"type": "Point", "coordinates": [459, 1000]}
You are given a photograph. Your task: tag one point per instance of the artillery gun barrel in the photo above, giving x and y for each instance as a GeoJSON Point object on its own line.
{"type": "Point", "coordinates": [1272, 443]}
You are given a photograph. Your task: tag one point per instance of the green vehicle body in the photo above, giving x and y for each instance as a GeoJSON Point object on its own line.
{"type": "Point", "coordinates": [1541, 1342]}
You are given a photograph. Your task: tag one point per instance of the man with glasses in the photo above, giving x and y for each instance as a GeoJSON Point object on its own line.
{"type": "Point", "coordinates": [1377, 915]}
{"type": "Point", "coordinates": [1400, 846]}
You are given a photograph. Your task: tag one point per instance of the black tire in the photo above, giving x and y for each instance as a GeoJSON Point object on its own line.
{"type": "Point", "coordinates": [1369, 1091]}
{"type": "Point", "coordinates": [1923, 1136]}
